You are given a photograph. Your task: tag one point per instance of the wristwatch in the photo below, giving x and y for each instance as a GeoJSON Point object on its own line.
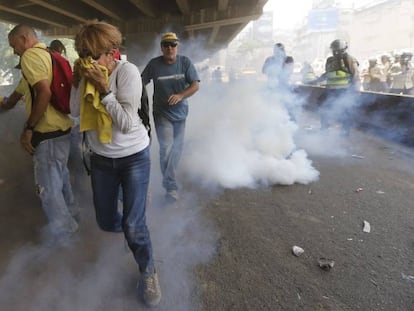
{"type": "Point", "coordinates": [29, 127]}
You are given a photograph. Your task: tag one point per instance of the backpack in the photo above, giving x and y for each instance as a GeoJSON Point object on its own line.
{"type": "Point", "coordinates": [61, 83]}
{"type": "Point", "coordinates": [143, 112]}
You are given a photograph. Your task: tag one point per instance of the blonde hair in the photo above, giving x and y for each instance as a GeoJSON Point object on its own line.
{"type": "Point", "coordinates": [95, 38]}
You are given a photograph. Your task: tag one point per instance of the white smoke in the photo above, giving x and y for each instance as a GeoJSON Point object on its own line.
{"type": "Point", "coordinates": [242, 136]}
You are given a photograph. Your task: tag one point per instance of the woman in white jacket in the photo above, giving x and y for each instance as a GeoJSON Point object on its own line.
{"type": "Point", "coordinates": [119, 142]}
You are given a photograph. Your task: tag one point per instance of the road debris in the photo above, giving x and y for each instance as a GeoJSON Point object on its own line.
{"type": "Point", "coordinates": [380, 192]}
{"type": "Point", "coordinates": [366, 227]}
{"type": "Point", "coordinates": [310, 191]}
{"type": "Point", "coordinates": [409, 278]}
{"type": "Point", "coordinates": [357, 156]}
{"type": "Point", "coordinates": [359, 190]}
{"type": "Point", "coordinates": [326, 264]}
{"type": "Point", "coordinates": [297, 251]}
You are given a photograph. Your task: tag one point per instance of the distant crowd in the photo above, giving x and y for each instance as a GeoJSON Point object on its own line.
{"type": "Point", "coordinates": [393, 75]}
{"type": "Point", "coordinates": [389, 74]}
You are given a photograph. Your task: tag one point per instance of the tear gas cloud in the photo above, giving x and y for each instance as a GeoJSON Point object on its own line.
{"type": "Point", "coordinates": [96, 272]}
{"type": "Point", "coordinates": [238, 135]}
{"type": "Point", "coordinates": [242, 136]}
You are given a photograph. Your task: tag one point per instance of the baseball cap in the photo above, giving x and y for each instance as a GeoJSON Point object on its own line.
{"type": "Point", "coordinates": [169, 36]}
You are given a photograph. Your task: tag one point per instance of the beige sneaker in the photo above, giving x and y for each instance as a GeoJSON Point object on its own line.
{"type": "Point", "coordinates": [172, 196]}
{"type": "Point", "coordinates": [151, 291]}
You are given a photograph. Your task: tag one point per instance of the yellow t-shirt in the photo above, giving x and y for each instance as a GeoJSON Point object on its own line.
{"type": "Point", "coordinates": [22, 87]}
{"type": "Point", "coordinates": [36, 66]}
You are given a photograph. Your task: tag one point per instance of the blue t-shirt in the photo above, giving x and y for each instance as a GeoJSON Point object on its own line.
{"type": "Point", "coordinates": [170, 79]}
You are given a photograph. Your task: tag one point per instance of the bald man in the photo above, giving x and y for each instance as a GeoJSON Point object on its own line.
{"type": "Point", "coordinates": [45, 136]}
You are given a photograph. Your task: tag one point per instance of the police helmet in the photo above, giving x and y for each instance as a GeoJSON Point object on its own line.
{"type": "Point", "coordinates": [339, 46]}
{"type": "Point", "coordinates": [407, 56]}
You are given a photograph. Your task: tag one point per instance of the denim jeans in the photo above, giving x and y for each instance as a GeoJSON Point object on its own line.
{"type": "Point", "coordinates": [170, 136]}
{"type": "Point", "coordinates": [132, 173]}
{"type": "Point", "coordinates": [53, 185]}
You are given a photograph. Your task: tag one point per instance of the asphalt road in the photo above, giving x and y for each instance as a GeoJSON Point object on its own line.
{"type": "Point", "coordinates": [228, 250]}
{"type": "Point", "coordinates": [254, 268]}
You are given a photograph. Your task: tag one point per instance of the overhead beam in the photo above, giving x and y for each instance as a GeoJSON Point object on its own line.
{"type": "Point", "coordinates": [184, 6]}
{"type": "Point", "coordinates": [223, 5]}
{"type": "Point", "coordinates": [48, 5]}
{"type": "Point", "coordinates": [101, 8]}
{"type": "Point", "coordinates": [213, 35]}
{"type": "Point", "coordinates": [30, 16]}
{"type": "Point", "coordinates": [22, 20]}
{"type": "Point", "coordinates": [237, 31]}
{"type": "Point", "coordinates": [145, 6]}
{"type": "Point", "coordinates": [223, 22]}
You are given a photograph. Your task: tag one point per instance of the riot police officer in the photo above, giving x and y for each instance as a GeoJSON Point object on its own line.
{"type": "Point", "coordinates": [342, 82]}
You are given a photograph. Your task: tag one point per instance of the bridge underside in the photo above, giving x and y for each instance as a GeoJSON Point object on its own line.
{"type": "Point", "coordinates": [211, 23]}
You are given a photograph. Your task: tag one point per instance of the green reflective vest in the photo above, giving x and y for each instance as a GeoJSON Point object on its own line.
{"type": "Point", "coordinates": [337, 74]}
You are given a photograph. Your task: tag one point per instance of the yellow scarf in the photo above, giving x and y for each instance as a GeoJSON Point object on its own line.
{"type": "Point", "coordinates": [93, 114]}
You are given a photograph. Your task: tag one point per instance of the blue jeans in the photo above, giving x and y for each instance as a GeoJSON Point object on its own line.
{"type": "Point", "coordinates": [132, 173]}
{"type": "Point", "coordinates": [170, 136]}
{"type": "Point", "coordinates": [53, 185]}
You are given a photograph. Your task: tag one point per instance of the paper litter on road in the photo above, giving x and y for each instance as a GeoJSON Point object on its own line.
{"type": "Point", "coordinates": [408, 277]}
{"type": "Point", "coordinates": [357, 156]}
{"type": "Point", "coordinates": [367, 227]}
{"type": "Point", "coordinates": [297, 251]}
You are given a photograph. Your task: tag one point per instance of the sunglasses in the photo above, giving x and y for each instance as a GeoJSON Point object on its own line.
{"type": "Point", "coordinates": [85, 54]}
{"type": "Point", "coordinates": [169, 44]}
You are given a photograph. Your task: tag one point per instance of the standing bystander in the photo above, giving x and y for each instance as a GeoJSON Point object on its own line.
{"type": "Point", "coordinates": [403, 75]}
{"type": "Point", "coordinates": [278, 68]}
{"type": "Point", "coordinates": [57, 46]}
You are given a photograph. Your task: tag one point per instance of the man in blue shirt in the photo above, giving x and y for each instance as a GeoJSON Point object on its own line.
{"type": "Point", "coordinates": [175, 79]}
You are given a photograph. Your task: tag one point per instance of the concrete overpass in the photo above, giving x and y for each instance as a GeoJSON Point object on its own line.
{"type": "Point", "coordinates": [212, 24]}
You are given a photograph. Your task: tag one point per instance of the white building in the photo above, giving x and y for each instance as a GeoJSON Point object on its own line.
{"type": "Point", "coordinates": [372, 29]}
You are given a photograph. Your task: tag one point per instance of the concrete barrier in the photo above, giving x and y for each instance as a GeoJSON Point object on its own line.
{"type": "Point", "coordinates": [389, 115]}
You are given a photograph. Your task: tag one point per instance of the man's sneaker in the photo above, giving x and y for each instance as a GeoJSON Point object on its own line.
{"type": "Point", "coordinates": [172, 195]}
{"type": "Point", "coordinates": [151, 291]}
